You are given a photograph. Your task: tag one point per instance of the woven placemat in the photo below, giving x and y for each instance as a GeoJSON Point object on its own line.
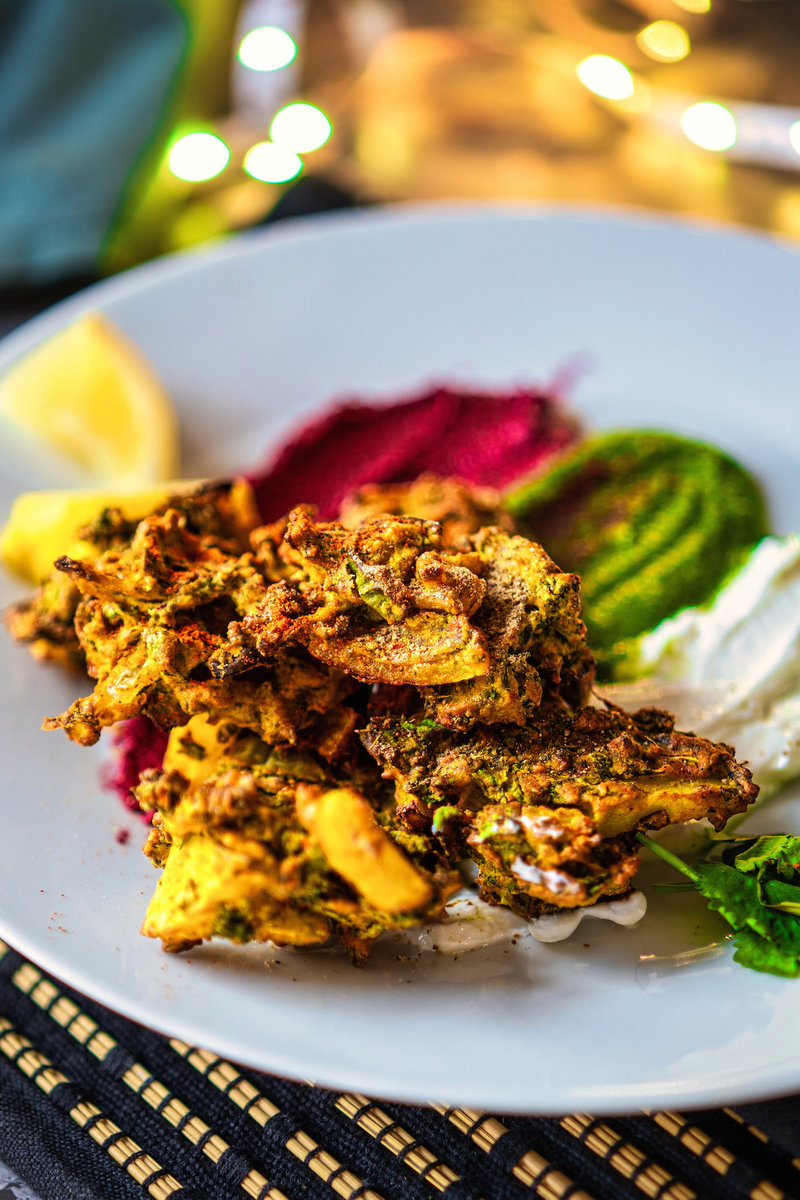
{"type": "Point", "coordinates": [95, 1107]}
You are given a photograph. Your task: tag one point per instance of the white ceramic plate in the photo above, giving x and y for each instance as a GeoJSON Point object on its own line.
{"type": "Point", "coordinates": [679, 327]}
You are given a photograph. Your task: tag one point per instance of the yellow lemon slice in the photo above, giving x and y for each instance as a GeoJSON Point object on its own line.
{"type": "Point", "coordinates": [43, 525]}
{"type": "Point", "coordinates": [88, 395]}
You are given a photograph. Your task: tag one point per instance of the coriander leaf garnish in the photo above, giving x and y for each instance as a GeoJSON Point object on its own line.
{"type": "Point", "coordinates": [755, 886]}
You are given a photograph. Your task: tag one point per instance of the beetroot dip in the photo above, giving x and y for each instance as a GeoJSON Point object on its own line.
{"type": "Point", "coordinates": [137, 745]}
{"type": "Point", "coordinates": [486, 438]}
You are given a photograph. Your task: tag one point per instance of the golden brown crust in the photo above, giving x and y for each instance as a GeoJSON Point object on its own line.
{"type": "Point", "coordinates": [548, 811]}
{"type": "Point", "coordinates": [261, 843]}
{"type": "Point", "coordinates": [293, 662]}
{"type": "Point", "coordinates": [460, 508]}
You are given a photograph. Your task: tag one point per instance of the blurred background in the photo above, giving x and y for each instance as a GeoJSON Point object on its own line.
{"type": "Point", "coordinates": [132, 130]}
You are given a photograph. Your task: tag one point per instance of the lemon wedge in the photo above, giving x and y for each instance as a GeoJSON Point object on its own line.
{"type": "Point", "coordinates": [44, 525]}
{"type": "Point", "coordinates": [87, 395]}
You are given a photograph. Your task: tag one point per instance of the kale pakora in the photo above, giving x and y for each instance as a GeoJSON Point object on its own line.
{"type": "Point", "coordinates": [355, 708]}
{"type": "Point", "coordinates": [266, 843]}
{"type": "Point", "coordinates": [548, 811]}
{"type": "Point", "coordinates": [459, 509]}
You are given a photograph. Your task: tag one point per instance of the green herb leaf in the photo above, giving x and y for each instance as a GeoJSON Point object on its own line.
{"type": "Point", "coordinates": [733, 896]}
{"type": "Point", "coordinates": [755, 887]}
{"type": "Point", "coordinates": [373, 595]}
{"type": "Point", "coordinates": [779, 851]}
{"type": "Point", "coordinates": [762, 955]}
{"type": "Point", "coordinates": [776, 893]}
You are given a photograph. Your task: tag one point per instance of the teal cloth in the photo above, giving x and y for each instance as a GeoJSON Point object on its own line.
{"type": "Point", "coordinates": [83, 83]}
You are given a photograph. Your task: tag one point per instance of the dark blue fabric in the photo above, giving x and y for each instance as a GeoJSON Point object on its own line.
{"type": "Point", "coordinates": [777, 1119]}
{"type": "Point", "coordinates": [48, 1151]}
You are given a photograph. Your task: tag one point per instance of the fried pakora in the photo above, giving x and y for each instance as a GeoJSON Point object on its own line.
{"type": "Point", "coordinates": [261, 842]}
{"type": "Point", "coordinates": [530, 620]}
{"type": "Point", "coordinates": [547, 811]}
{"type": "Point", "coordinates": [386, 603]}
{"type": "Point", "coordinates": [459, 508]}
{"type": "Point", "coordinates": [484, 632]}
{"type": "Point", "coordinates": [154, 606]}
{"type": "Point", "coordinates": [168, 619]}
{"type": "Point", "coordinates": [222, 512]}
{"type": "Point", "coordinates": [358, 706]}
{"type": "Point", "coordinates": [45, 623]}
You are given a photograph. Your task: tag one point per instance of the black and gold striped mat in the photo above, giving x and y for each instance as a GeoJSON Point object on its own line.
{"type": "Point", "coordinates": [94, 1107]}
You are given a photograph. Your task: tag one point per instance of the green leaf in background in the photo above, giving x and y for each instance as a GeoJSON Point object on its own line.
{"type": "Point", "coordinates": [734, 897]}
{"type": "Point", "coordinates": [774, 893]}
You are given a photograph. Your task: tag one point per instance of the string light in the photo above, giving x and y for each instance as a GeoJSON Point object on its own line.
{"type": "Point", "coordinates": [709, 125]}
{"type": "Point", "coordinates": [272, 163]}
{"type": "Point", "coordinates": [606, 76]}
{"type": "Point", "coordinates": [664, 40]}
{"type": "Point", "coordinates": [300, 127]}
{"type": "Point", "coordinates": [198, 156]}
{"type": "Point", "coordinates": [267, 48]}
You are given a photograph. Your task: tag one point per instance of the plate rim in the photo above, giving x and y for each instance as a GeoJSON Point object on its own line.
{"type": "Point", "coordinates": [341, 222]}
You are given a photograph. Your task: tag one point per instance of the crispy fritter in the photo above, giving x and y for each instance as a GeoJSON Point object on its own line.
{"type": "Point", "coordinates": [295, 662]}
{"type": "Point", "coordinates": [221, 511]}
{"type": "Point", "coordinates": [154, 608]}
{"type": "Point", "coordinates": [562, 795]}
{"type": "Point", "coordinates": [458, 507]}
{"type": "Point", "coordinates": [169, 618]}
{"type": "Point", "coordinates": [45, 622]}
{"type": "Point", "coordinates": [534, 859]}
{"type": "Point", "coordinates": [485, 631]}
{"type": "Point", "coordinates": [530, 618]}
{"type": "Point", "coordinates": [261, 842]}
{"type": "Point", "coordinates": [384, 602]}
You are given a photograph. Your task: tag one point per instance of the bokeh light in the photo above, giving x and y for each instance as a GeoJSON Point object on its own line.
{"type": "Point", "coordinates": [272, 163]}
{"type": "Point", "coordinates": [267, 48]}
{"type": "Point", "coordinates": [694, 6]}
{"type": "Point", "coordinates": [606, 77]}
{"type": "Point", "coordinates": [198, 156]}
{"type": "Point", "coordinates": [786, 213]}
{"type": "Point", "coordinates": [300, 127]}
{"type": "Point", "coordinates": [709, 125]}
{"type": "Point", "coordinates": [794, 136]}
{"type": "Point", "coordinates": [664, 40]}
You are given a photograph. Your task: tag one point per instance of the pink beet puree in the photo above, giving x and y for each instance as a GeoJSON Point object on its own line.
{"type": "Point", "coordinates": [485, 438]}
{"type": "Point", "coordinates": [138, 744]}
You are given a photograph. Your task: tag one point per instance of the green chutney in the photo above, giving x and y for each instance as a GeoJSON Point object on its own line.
{"type": "Point", "coordinates": [652, 522]}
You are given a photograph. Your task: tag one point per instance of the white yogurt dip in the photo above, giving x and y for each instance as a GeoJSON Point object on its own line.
{"type": "Point", "coordinates": [731, 672]}
{"type": "Point", "coordinates": [472, 923]}
{"type": "Point", "coordinates": [555, 927]}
